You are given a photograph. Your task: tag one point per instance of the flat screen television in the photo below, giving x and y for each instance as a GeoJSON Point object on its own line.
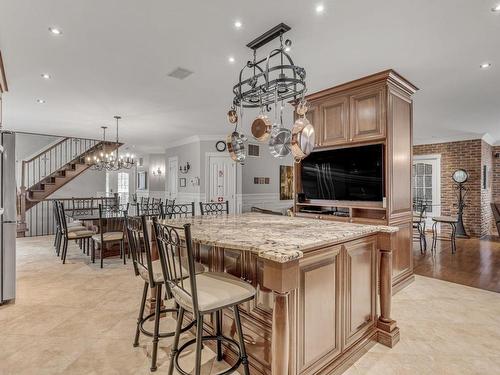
{"type": "Point", "coordinates": [346, 174]}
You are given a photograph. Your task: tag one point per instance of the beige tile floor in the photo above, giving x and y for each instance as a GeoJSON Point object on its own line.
{"type": "Point", "coordinates": [79, 319]}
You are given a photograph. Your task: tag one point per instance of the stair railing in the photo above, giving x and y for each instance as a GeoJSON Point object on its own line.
{"type": "Point", "coordinates": [48, 161]}
{"type": "Point", "coordinates": [34, 170]}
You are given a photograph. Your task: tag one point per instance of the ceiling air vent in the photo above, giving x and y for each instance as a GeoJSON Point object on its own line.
{"type": "Point", "coordinates": [180, 73]}
{"type": "Point", "coordinates": [253, 150]}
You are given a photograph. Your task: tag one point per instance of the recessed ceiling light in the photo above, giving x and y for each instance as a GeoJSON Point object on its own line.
{"type": "Point", "coordinates": [485, 65]}
{"type": "Point", "coordinates": [496, 9]}
{"type": "Point", "coordinates": [320, 8]}
{"type": "Point", "coordinates": [40, 101]}
{"type": "Point", "coordinates": [238, 24]}
{"type": "Point", "coordinates": [231, 59]}
{"type": "Point", "coordinates": [55, 30]}
{"type": "Point", "coordinates": [45, 76]}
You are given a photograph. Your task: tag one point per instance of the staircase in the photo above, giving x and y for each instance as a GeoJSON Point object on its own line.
{"type": "Point", "coordinates": [54, 167]}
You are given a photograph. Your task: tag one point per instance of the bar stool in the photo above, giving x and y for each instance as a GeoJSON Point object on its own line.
{"type": "Point", "coordinates": [150, 271]}
{"type": "Point", "coordinates": [200, 294]}
{"type": "Point", "coordinates": [214, 208]}
{"type": "Point", "coordinates": [452, 221]}
{"type": "Point", "coordinates": [180, 210]}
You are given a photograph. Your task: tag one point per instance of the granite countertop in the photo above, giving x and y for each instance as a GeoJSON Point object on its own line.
{"type": "Point", "coordinates": [278, 238]}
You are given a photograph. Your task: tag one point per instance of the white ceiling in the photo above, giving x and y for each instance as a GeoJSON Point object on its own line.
{"type": "Point", "coordinates": [114, 57]}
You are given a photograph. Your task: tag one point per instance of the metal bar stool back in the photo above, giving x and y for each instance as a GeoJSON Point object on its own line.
{"type": "Point", "coordinates": [214, 208]}
{"type": "Point", "coordinates": [150, 271]}
{"type": "Point", "coordinates": [201, 294]}
{"type": "Point", "coordinates": [179, 210]}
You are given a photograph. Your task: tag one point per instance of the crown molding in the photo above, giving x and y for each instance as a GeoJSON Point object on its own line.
{"type": "Point", "coordinates": [194, 139]}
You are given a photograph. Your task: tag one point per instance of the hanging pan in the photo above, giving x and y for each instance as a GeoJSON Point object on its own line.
{"type": "Point", "coordinates": [303, 136]}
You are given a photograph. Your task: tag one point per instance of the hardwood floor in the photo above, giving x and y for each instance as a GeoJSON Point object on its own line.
{"type": "Point", "coordinates": [476, 263]}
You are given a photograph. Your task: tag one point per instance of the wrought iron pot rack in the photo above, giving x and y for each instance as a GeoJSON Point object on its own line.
{"type": "Point", "coordinates": [269, 83]}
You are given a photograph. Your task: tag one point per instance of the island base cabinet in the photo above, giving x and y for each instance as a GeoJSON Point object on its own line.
{"type": "Point", "coordinates": [332, 313]}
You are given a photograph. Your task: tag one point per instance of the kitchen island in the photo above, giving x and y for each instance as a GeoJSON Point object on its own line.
{"type": "Point", "coordinates": [316, 310]}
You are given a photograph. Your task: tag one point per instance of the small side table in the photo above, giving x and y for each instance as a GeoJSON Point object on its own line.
{"type": "Point", "coordinates": [452, 221]}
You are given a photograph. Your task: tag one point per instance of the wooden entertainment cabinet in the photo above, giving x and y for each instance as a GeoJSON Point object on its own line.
{"type": "Point", "coordinates": [376, 109]}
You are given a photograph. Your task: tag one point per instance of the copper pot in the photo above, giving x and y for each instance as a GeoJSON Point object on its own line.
{"type": "Point", "coordinates": [303, 139]}
{"type": "Point", "coordinates": [232, 116]}
{"type": "Point", "coordinates": [236, 146]}
{"type": "Point", "coordinates": [261, 128]}
{"type": "Point", "coordinates": [303, 135]}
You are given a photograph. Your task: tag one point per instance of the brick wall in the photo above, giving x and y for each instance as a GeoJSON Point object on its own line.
{"type": "Point", "coordinates": [454, 155]}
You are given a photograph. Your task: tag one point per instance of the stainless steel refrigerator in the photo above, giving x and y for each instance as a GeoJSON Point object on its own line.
{"type": "Point", "coordinates": [8, 216]}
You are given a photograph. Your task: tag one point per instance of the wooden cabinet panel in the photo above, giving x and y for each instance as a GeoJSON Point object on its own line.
{"type": "Point", "coordinates": [261, 307]}
{"type": "Point", "coordinates": [319, 324]}
{"type": "Point", "coordinates": [233, 262]}
{"type": "Point", "coordinates": [334, 121]}
{"type": "Point", "coordinates": [360, 275]}
{"type": "Point", "coordinates": [402, 257]}
{"type": "Point", "coordinates": [367, 114]}
{"type": "Point", "coordinates": [400, 141]}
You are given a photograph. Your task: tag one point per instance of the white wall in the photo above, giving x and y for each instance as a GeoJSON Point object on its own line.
{"type": "Point", "coordinates": [263, 195]}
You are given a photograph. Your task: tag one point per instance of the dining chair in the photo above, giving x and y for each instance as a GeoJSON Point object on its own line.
{"type": "Point", "coordinates": [214, 208]}
{"type": "Point", "coordinates": [110, 231]}
{"type": "Point", "coordinates": [150, 271]}
{"type": "Point", "coordinates": [419, 219]}
{"type": "Point", "coordinates": [72, 233]}
{"type": "Point", "coordinates": [82, 206]}
{"type": "Point", "coordinates": [178, 210]}
{"type": "Point", "coordinates": [200, 294]}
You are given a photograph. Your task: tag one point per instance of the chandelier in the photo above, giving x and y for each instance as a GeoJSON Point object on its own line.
{"type": "Point", "coordinates": [111, 161]}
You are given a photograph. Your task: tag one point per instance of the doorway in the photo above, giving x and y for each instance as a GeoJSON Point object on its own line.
{"type": "Point", "coordinates": [221, 181]}
{"type": "Point", "coordinates": [173, 168]}
{"type": "Point", "coordinates": [427, 184]}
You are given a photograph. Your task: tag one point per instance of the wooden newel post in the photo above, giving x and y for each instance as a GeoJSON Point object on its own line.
{"type": "Point", "coordinates": [281, 278]}
{"type": "Point", "coordinates": [388, 334]}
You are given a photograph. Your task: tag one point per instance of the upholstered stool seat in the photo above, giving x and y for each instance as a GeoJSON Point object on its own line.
{"type": "Point", "coordinates": [215, 290]}
{"type": "Point", "coordinates": [158, 273]}
{"type": "Point", "coordinates": [200, 294]}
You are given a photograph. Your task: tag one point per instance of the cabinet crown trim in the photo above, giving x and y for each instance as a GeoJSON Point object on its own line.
{"type": "Point", "coordinates": [389, 75]}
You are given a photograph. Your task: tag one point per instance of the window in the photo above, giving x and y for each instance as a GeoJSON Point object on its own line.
{"type": "Point", "coordinates": [123, 188]}
{"type": "Point", "coordinates": [422, 185]}
{"type": "Point", "coordinates": [108, 189]}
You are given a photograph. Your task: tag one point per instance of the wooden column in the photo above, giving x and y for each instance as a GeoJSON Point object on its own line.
{"type": "Point", "coordinates": [388, 333]}
{"type": "Point", "coordinates": [281, 278]}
